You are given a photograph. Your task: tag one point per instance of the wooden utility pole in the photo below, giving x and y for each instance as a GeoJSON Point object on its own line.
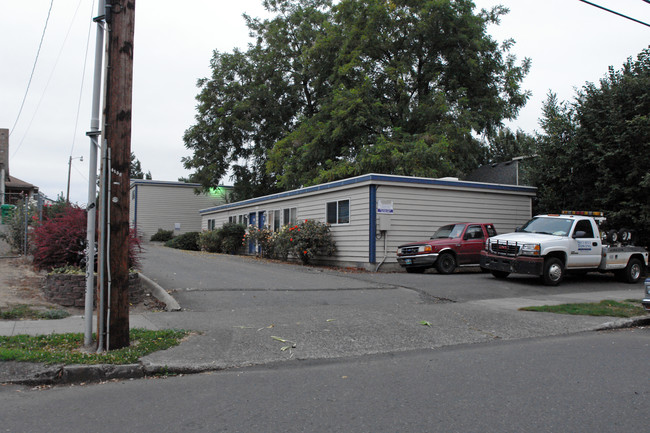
{"type": "Point", "coordinates": [120, 18]}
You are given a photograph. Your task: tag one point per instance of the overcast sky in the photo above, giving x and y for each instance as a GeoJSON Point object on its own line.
{"type": "Point", "coordinates": [569, 42]}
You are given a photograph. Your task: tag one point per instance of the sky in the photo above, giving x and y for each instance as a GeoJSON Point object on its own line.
{"type": "Point", "coordinates": [569, 42]}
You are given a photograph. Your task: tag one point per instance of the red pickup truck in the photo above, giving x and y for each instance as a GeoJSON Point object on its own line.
{"type": "Point", "coordinates": [450, 246]}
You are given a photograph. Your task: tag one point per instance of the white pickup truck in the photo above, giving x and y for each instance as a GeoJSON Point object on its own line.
{"type": "Point", "coordinates": [551, 245]}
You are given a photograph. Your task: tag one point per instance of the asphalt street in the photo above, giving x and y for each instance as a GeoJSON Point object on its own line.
{"type": "Point", "coordinates": [586, 382]}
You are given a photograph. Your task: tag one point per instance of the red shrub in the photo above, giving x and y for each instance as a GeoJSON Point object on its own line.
{"type": "Point", "coordinates": [61, 240]}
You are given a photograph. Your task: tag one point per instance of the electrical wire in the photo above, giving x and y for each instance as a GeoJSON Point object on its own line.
{"type": "Point", "coordinates": [83, 76]}
{"type": "Point", "coordinates": [33, 67]}
{"type": "Point", "coordinates": [47, 84]}
{"type": "Point", "coordinates": [616, 13]}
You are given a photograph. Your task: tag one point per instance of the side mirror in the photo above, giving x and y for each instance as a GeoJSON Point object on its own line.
{"type": "Point", "coordinates": [579, 234]}
{"type": "Point", "coordinates": [517, 229]}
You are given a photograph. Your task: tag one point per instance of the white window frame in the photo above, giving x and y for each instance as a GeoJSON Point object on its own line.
{"type": "Point", "coordinates": [338, 217]}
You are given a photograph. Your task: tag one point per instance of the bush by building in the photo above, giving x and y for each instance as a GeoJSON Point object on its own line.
{"type": "Point", "coordinates": [187, 241]}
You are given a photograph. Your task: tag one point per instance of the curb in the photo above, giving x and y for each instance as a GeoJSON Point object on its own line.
{"type": "Point", "coordinates": [161, 294]}
{"type": "Point", "coordinates": [31, 374]}
{"type": "Point", "coordinates": [79, 373]}
{"type": "Point", "coordinates": [624, 323]}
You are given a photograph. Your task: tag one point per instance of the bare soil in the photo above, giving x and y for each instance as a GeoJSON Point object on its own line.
{"type": "Point", "coordinates": [20, 284]}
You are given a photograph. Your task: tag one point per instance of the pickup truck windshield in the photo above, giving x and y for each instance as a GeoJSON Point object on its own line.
{"type": "Point", "coordinates": [450, 231]}
{"type": "Point", "coordinates": [548, 226]}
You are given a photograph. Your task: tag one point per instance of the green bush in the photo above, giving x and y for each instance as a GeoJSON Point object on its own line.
{"type": "Point", "coordinates": [282, 242]}
{"type": "Point", "coordinates": [211, 240]}
{"type": "Point", "coordinates": [186, 241]}
{"type": "Point", "coordinates": [232, 235]}
{"type": "Point", "coordinates": [15, 234]}
{"type": "Point", "coordinates": [162, 235]}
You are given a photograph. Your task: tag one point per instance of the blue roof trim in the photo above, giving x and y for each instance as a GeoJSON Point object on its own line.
{"type": "Point", "coordinates": [372, 178]}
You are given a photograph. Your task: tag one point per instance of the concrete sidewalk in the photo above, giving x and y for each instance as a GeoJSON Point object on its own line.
{"type": "Point", "coordinates": [247, 337]}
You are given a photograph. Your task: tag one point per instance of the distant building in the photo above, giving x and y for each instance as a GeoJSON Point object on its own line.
{"type": "Point", "coordinates": [512, 172]}
{"type": "Point", "coordinates": [168, 205]}
{"type": "Point", "coordinates": [12, 189]}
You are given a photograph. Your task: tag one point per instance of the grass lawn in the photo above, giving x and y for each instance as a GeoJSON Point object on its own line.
{"type": "Point", "coordinates": [68, 348]}
{"type": "Point", "coordinates": [627, 308]}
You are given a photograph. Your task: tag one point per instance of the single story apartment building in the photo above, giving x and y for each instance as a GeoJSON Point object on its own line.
{"type": "Point", "coordinates": [169, 205]}
{"type": "Point", "coordinates": [370, 215]}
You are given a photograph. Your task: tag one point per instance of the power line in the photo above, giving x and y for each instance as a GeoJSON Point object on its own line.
{"type": "Point", "coordinates": [617, 13]}
{"type": "Point", "coordinates": [83, 77]}
{"type": "Point", "coordinates": [33, 67]}
{"type": "Point", "coordinates": [47, 84]}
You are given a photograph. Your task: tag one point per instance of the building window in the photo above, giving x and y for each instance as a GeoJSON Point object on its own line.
{"type": "Point", "coordinates": [338, 212]}
{"type": "Point", "coordinates": [276, 220]}
{"type": "Point", "coordinates": [211, 224]}
{"type": "Point", "coordinates": [289, 216]}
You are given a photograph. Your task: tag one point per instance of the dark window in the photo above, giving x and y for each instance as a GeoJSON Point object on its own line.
{"type": "Point", "coordinates": [474, 232]}
{"type": "Point", "coordinates": [338, 212]}
{"type": "Point", "coordinates": [491, 231]}
{"type": "Point", "coordinates": [585, 226]}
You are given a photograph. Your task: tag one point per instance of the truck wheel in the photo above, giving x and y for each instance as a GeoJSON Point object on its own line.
{"type": "Point", "coordinates": [415, 270]}
{"type": "Point", "coordinates": [500, 274]}
{"type": "Point", "coordinates": [553, 271]}
{"type": "Point", "coordinates": [632, 272]}
{"type": "Point", "coordinates": [446, 263]}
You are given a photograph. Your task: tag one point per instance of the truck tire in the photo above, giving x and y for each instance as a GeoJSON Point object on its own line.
{"type": "Point", "coordinates": [553, 271]}
{"type": "Point", "coordinates": [415, 270]}
{"type": "Point", "coordinates": [446, 263]}
{"type": "Point", "coordinates": [500, 274]}
{"type": "Point", "coordinates": [632, 272]}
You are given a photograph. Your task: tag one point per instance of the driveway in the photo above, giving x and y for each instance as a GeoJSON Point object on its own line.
{"type": "Point", "coordinates": [251, 311]}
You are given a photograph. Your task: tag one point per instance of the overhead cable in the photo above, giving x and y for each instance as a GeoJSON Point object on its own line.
{"type": "Point", "coordinates": [33, 67]}
{"type": "Point", "coordinates": [617, 13]}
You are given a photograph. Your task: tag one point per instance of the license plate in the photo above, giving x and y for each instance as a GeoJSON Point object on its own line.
{"type": "Point", "coordinates": [408, 261]}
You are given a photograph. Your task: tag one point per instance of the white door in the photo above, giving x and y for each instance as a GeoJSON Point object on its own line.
{"type": "Point", "coordinates": [586, 246]}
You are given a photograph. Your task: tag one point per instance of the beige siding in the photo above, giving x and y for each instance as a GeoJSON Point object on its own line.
{"type": "Point", "coordinates": [419, 211]}
{"type": "Point", "coordinates": [162, 206]}
{"type": "Point", "coordinates": [420, 207]}
{"type": "Point", "coordinates": [351, 239]}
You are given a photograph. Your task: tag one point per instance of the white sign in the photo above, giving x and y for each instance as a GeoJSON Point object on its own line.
{"type": "Point", "coordinates": [385, 206]}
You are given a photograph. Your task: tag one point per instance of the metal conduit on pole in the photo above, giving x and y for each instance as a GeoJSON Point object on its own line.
{"type": "Point", "coordinates": [91, 208]}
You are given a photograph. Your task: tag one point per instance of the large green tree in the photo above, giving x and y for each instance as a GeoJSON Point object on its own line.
{"type": "Point", "coordinates": [328, 91]}
{"type": "Point", "coordinates": [594, 153]}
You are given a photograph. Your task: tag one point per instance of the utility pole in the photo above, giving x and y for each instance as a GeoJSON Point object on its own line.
{"type": "Point", "coordinates": [120, 18]}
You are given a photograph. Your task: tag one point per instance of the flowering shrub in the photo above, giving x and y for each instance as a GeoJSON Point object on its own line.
{"type": "Point", "coordinates": [262, 238]}
{"type": "Point", "coordinates": [309, 239]}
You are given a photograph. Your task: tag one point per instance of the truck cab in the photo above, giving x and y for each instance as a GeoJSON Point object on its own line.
{"type": "Point", "coordinates": [452, 245]}
{"type": "Point", "coordinates": [550, 245]}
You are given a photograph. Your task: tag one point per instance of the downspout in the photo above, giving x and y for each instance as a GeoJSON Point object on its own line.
{"type": "Point", "coordinates": [372, 224]}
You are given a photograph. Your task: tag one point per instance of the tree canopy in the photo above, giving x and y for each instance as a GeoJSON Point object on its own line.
{"type": "Point", "coordinates": [594, 153]}
{"type": "Point", "coordinates": [135, 169]}
{"type": "Point", "coordinates": [328, 90]}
